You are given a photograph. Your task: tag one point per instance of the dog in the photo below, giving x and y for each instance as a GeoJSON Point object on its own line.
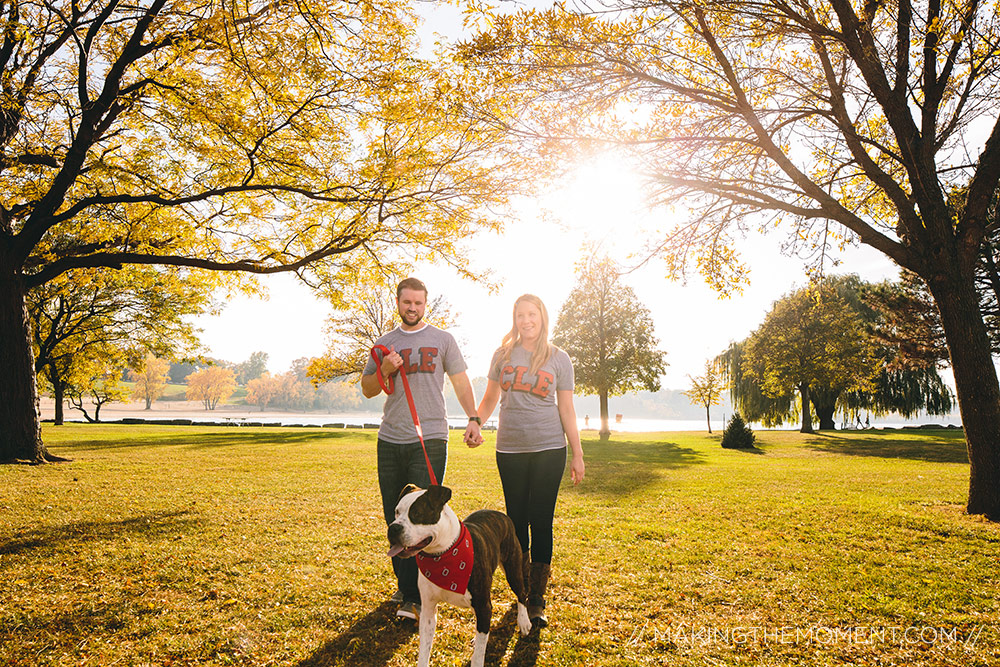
{"type": "Point", "coordinates": [456, 561]}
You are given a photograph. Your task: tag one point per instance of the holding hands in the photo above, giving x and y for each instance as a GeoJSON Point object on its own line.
{"type": "Point", "coordinates": [473, 433]}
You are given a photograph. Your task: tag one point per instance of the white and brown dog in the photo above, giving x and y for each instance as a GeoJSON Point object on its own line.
{"type": "Point", "coordinates": [456, 561]}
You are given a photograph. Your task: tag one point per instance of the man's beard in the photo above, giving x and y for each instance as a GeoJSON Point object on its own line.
{"type": "Point", "coordinates": [407, 321]}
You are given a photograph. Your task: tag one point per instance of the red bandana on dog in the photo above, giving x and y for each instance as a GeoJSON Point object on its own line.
{"type": "Point", "coordinates": [450, 570]}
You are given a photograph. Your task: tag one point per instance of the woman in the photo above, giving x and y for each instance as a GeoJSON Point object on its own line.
{"type": "Point", "coordinates": [533, 380]}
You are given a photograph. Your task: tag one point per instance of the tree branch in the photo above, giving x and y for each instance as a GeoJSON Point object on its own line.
{"type": "Point", "coordinates": [42, 216]}
{"type": "Point", "coordinates": [982, 189]}
{"type": "Point", "coordinates": [115, 260]}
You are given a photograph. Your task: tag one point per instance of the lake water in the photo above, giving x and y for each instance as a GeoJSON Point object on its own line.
{"type": "Point", "coordinates": [626, 425]}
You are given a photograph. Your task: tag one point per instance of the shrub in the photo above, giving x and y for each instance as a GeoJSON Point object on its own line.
{"type": "Point", "coordinates": [737, 434]}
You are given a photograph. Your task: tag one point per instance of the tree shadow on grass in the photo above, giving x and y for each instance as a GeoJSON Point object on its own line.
{"type": "Point", "coordinates": [622, 467]}
{"type": "Point", "coordinates": [299, 437]}
{"type": "Point", "coordinates": [181, 436]}
{"type": "Point", "coordinates": [370, 641]}
{"type": "Point", "coordinates": [87, 531]}
{"type": "Point", "coordinates": [746, 450]}
{"type": "Point", "coordinates": [945, 447]}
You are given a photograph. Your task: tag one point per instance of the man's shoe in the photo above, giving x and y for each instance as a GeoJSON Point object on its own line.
{"type": "Point", "coordinates": [409, 610]}
{"type": "Point", "coordinates": [397, 597]}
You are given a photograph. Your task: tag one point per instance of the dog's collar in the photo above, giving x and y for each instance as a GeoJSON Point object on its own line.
{"type": "Point", "coordinates": [462, 530]}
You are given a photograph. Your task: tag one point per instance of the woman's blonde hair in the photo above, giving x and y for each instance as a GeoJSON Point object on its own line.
{"type": "Point", "coordinates": [543, 350]}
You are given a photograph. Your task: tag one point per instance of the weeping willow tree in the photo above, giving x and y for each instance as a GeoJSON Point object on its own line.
{"type": "Point", "coordinates": [903, 321]}
{"type": "Point", "coordinates": [747, 394]}
{"type": "Point", "coordinates": [907, 382]}
{"type": "Point", "coordinates": [906, 391]}
{"type": "Point", "coordinates": [899, 383]}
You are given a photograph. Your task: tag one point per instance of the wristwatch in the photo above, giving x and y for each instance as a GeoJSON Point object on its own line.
{"type": "Point", "coordinates": [477, 420]}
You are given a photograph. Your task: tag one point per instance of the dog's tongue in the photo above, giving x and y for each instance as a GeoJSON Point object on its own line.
{"type": "Point", "coordinates": [394, 549]}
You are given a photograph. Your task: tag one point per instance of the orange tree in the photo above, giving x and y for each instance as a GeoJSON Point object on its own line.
{"type": "Point", "coordinates": [706, 390]}
{"type": "Point", "coordinates": [211, 385]}
{"type": "Point", "coordinates": [150, 379]}
{"type": "Point", "coordinates": [290, 135]}
{"type": "Point", "coordinates": [837, 121]}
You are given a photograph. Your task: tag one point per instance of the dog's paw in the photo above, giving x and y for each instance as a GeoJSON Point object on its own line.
{"type": "Point", "coordinates": [523, 622]}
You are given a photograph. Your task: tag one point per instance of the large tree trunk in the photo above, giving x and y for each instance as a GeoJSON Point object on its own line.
{"type": "Point", "coordinates": [605, 432]}
{"type": "Point", "coordinates": [977, 388]}
{"type": "Point", "coordinates": [807, 424]}
{"type": "Point", "coordinates": [20, 433]}
{"type": "Point", "coordinates": [825, 409]}
{"type": "Point", "coordinates": [824, 402]}
{"type": "Point", "coordinates": [826, 420]}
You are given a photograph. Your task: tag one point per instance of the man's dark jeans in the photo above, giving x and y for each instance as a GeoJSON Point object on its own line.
{"type": "Point", "coordinates": [399, 465]}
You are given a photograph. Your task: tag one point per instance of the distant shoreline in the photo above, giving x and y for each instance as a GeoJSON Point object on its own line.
{"type": "Point", "coordinates": [191, 413]}
{"type": "Point", "coordinates": [179, 412]}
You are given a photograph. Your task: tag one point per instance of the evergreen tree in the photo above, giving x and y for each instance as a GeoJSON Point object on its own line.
{"type": "Point", "coordinates": [738, 435]}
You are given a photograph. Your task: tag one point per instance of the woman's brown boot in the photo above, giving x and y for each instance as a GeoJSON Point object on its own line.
{"type": "Point", "coordinates": [536, 598]}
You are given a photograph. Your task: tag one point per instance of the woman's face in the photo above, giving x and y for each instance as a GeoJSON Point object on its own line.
{"type": "Point", "coordinates": [528, 320]}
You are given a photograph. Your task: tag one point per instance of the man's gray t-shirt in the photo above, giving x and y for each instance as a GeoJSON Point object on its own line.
{"type": "Point", "coordinates": [529, 414]}
{"type": "Point", "coordinates": [427, 355]}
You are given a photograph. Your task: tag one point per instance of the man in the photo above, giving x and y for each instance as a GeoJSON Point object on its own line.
{"type": "Point", "coordinates": [426, 353]}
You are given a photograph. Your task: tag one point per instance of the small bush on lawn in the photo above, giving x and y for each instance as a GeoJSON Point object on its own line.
{"type": "Point", "coordinates": [737, 434]}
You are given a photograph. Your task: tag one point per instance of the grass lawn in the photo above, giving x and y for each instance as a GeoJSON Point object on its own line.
{"type": "Point", "coordinates": [168, 545]}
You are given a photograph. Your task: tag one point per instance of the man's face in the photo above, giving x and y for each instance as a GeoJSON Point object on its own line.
{"type": "Point", "coordinates": [411, 304]}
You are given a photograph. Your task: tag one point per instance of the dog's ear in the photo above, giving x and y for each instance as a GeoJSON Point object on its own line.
{"type": "Point", "coordinates": [438, 495]}
{"type": "Point", "coordinates": [426, 510]}
{"type": "Point", "coordinates": [409, 488]}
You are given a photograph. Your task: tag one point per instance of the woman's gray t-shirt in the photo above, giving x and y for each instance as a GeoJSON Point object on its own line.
{"type": "Point", "coordinates": [529, 414]}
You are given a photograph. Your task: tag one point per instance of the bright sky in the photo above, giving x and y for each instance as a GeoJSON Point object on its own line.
{"type": "Point", "coordinates": [537, 254]}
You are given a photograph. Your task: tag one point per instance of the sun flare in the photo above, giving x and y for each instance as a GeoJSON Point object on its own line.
{"type": "Point", "coordinates": [601, 202]}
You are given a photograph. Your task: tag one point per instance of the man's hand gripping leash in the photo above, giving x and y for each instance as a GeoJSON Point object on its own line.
{"type": "Point", "coordinates": [388, 386]}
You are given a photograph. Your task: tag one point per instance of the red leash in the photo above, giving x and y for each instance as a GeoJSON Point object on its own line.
{"type": "Point", "coordinates": [409, 401]}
